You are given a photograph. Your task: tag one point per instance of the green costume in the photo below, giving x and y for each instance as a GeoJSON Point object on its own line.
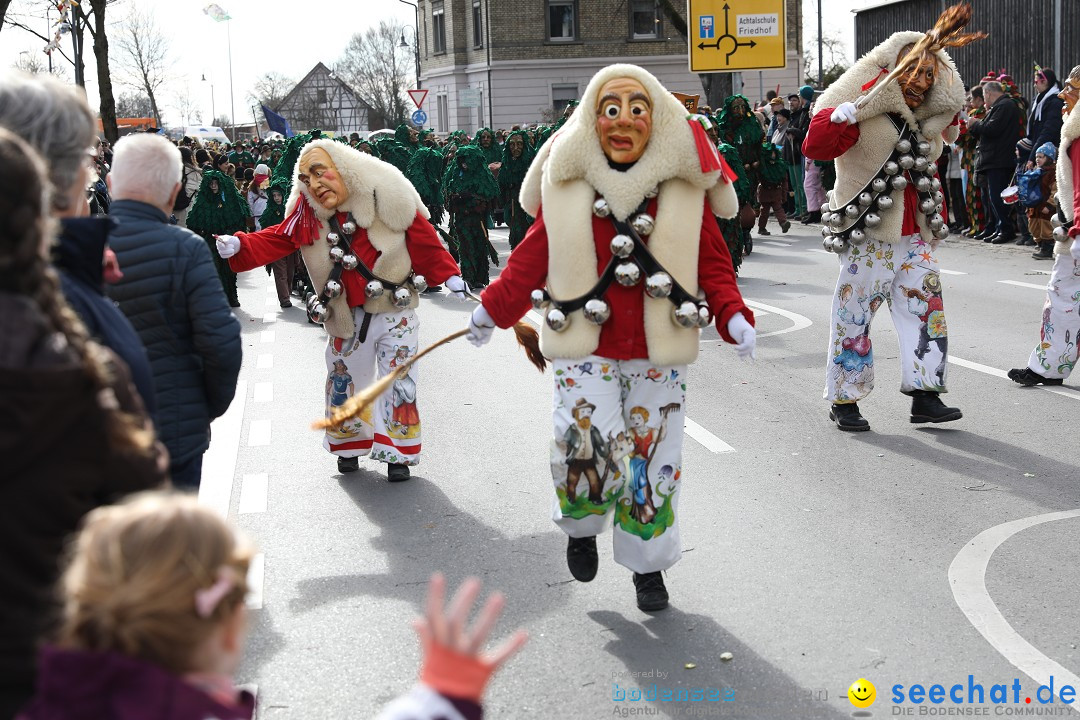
{"type": "Point", "coordinates": [469, 189]}
{"type": "Point", "coordinates": [738, 127]}
{"type": "Point", "coordinates": [287, 163]}
{"type": "Point", "coordinates": [274, 214]}
{"type": "Point", "coordinates": [403, 136]}
{"type": "Point", "coordinates": [223, 212]}
{"type": "Point", "coordinates": [493, 152]}
{"type": "Point", "coordinates": [511, 175]}
{"type": "Point", "coordinates": [731, 228]}
{"type": "Point", "coordinates": [393, 152]}
{"type": "Point", "coordinates": [425, 172]}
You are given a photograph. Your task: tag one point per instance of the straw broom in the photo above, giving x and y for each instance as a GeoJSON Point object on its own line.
{"type": "Point", "coordinates": [947, 32]}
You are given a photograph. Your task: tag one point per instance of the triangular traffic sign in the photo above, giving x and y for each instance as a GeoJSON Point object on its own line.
{"type": "Point", "coordinates": [418, 97]}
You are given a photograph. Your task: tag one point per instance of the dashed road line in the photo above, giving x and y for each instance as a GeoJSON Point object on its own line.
{"type": "Point", "coordinates": [265, 362]}
{"type": "Point", "coordinates": [253, 492]}
{"type": "Point", "coordinates": [1017, 283]}
{"type": "Point", "coordinates": [950, 272]}
{"type": "Point", "coordinates": [271, 300]}
{"type": "Point", "coordinates": [264, 392]}
{"type": "Point", "coordinates": [270, 317]}
{"type": "Point", "coordinates": [267, 336]}
{"type": "Point", "coordinates": [219, 462]}
{"type": "Point", "coordinates": [1064, 392]}
{"type": "Point", "coordinates": [706, 438]}
{"type": "Point", "coordinates": [259, 433]}
{"type": "Point", "coordinates": [774, 242]}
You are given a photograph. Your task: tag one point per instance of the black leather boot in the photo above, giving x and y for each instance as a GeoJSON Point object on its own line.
{"type": "Point", "coordinates": [396, 472]}
{"type": "Point", "coordinates": [1028, 377]}
{"type": "Point", "coordinates": [348, 465]}
{"type": "Point", "coordinates": [926, 407]}
{"type": "Point", "coordinates": [581, 558]}
{"type": "Point", "coordinates": [651, 593]}
{"type": "Point", "coordinates": [848, 417]}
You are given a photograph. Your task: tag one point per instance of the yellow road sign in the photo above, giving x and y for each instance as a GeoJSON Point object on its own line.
{"type": "Point", "coordinates": [730, 35]}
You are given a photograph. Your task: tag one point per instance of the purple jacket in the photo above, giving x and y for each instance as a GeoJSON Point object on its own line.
{"type": "Point", "coordinates": [78, 685]}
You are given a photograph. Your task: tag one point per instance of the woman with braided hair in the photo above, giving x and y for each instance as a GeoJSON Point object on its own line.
{"type": "Point", "coordinates": [76, 434]}
{"type": "Point", "coordinates": [219, 209]}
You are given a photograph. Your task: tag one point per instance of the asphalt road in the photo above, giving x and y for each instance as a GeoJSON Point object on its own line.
{"type": "Point", "coordinates": [814, 557]}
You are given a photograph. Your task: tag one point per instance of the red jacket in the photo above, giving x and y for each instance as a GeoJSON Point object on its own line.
{"type": "Point", "coordinates": [622, 337]}
{"type": "Point", "coordinates": [429, 257]}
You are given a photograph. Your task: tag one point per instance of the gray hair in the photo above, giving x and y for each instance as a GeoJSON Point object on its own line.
{"type": "Point", "coordinates": [55, 119]}
{"type": "Point", "coordinates": [145, 167]}
{"type": "Point", "coordinates": [993, 86]}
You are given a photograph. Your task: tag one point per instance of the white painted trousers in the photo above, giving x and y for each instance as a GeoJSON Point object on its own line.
{"type": "Point", "coordinates": [389, 430]}
{"type": "Point", "coordinates": [1055, 355]}
{"type": "Point", "coordinates": [616, 452]}
{"type": "Point", "coordinates": [905, 276]}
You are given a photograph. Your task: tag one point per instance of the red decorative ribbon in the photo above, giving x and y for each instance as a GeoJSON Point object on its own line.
{"type": "Point", "coordinates": [872, 83]}
{"type": "Point", "coordinates": [302, 225]}
{"type": "Point", "coordinates": [710, 161]}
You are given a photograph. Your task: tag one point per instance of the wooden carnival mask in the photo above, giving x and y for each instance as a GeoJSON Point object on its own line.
{"type": "Point", "coordinates": [916, 82]}
{"type": "Point", "coordinates": [322, 178]}
{"type": "Point", "coordinates": [1072, 90]}
{"type": "Point", "coordinates": [623, 119]}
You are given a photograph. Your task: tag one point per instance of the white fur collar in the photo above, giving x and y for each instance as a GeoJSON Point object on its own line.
{"type": "Point", "coordinates": [376, 189]}
{"type": "Point", "coordinates": [945, 97]}
{"type": "Point", "coordinates": [574, 153]}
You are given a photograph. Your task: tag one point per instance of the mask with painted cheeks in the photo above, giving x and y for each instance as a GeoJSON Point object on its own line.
{"type": "Point", "coordinates": [624, 119]}
{"type": "Point", "coordinates": [1071, 91]}
{"type": "Point", "coordinates": [321, 177]}
{"type": "Point", "coordinates": [917, 81]}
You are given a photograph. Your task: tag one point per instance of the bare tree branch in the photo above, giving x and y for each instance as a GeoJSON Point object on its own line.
{"type": "Point", "coordinates": [270, 89]}
{"type": "Point", "coordinates": [4, 4]}
{"type": "Point", "coordinates": [35, 33]}
{"type": "Point", "coordinates": [143, 55]}
{"type": "Point", "coordinates": [375, 69]}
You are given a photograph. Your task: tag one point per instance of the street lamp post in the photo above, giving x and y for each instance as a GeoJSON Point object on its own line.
{"type": "Point", "coordinates": [213, 110]}
{"type": "Point", "coordinates": [416, 39]}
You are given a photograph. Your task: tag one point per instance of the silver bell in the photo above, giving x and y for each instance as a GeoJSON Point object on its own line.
{"type": "Point", "coordinates": [557, 320]}
{"type": "Point", "coordinates": [420, 283]}
{"type": "Point", "coordinates": [374, 289]}
{"type": "Point", "coordinates": [332, 238]}
{"type": "Point", "coordinates": [537, 299]}
{"type": "Point", "coordinates": [939, 209]}
{"type": "Point", "coordinates": [686, 315]}
{"type": "Point", "coordinates": [903, 146]}
{"type": "Point", "coordinates": [923, 148]}
{"type": "Point", "coordinates": [936, 222]}
{"type": "Point", "coordinates": [922, 184]}
{"type": "Point", "coordinates": [348, 227]}
{"type": "Point", "coordinates": [906, 161]}
{"type": "Point", "coordinates": [332, 288]}
{"type": "Point", "coordinates": [825, 208]}
{"type": "Point", "coordinates": [704, 316]}
{"type": "Point", "coordinates": [627, 274]}
{"type": "Point", "coordinates": [837, 220]}
{"type": "Point", "coordinates": [891, 168]}
{"type": "Point", "coordinates": [826, 218]}
{"type": "Point", "coordinates": [858, 236]}
{"type": "Point", "coordinates": [337, 254]}
{"type": "Point", "coordinates": [899, 182]}
{"type": "Point", "coordinates": [852, 211]}
{"type": "Point", "coordinates": [839, 246]}
{"type": "Point", "coordinates": [872, 220]}
{"type": "Point", "coordinates": [879, 185]}
{"type": "Point", "coordinates": [935, 184]}
{"type": "Point", "coordinates": [826, 232]}
{"type": "Point", "coordinates": [921, 164]}
{"type": "Point", "coordinates": [826, 241]}
{"type": "Point", "coordinates": [622, 246]}
{"type": "Point", "coordinates": [1055, 221]}
{"type": "Point", "coordinates": [319, 312]}
{"type": "Point", "coordinates": [884, 202]}
{"type": "Point", "coordinates": [658, 285]}
{"type": "Point", "coordinates": [653, 193]}
{"type": "Point", "coordinates": [865, 199]}
{"type": "Point", "coordinates": [601, 209]}
{"type": "Point", "coordinates": [349, 262]}
{"type": "Point", "coordinates": [643, 224]}
{"type": "Point", "coordinates": [926, 207]}
{"type": "Point", "coordinates": [401, 297]}
{"type": "Point", "coordinates": [597, 311]}
{"type": "Point", "coordinates": [1060, 233]}
{"type": "Point", "coordinates": [939, 197]}
{"type": "Point", "coordinates": [941, 233]}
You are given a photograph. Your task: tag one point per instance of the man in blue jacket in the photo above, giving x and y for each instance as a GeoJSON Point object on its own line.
{"type": "Point", "coordinates": [171, 293]}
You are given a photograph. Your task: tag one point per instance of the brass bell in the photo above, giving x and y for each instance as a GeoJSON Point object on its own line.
{"type": "Point", "coordinates": [349, 262]}
{"type": "Point", "coordinates": [658, 285]}
{"type": "Point", "coordinates": [557, 320]}
{"type": "Point", "coordinates": [906, 161]}
{"type": "Point", "coordinates": [686, 315]}
{"type": "Point", "coordinates": [332, 238]}
{"type": "Point", "coordinates": [319, 312]}
{"type": "Point", "coordinates": [337, 254]}
{"type": "Point", "coordinates": [627, 274]}
{"type": "Point", "coordinates": [597, 311]}
{"type": "Point", "coordinates": [538, 300]}
{"type": "Point", "coordinates": [903, 146]}
{"type": "Point", "coordinates": [884, 202]}
{"type": "Point", "coordinates": [622, 246]}
{"type": "Point", "coordinates": [419, 282]}
{"type": "Point", "coordinates": [401, 297]}
{"type": "Point", "coordinates": [332, 289]}
{"type": "Point", "coordinates": [374, 289]}
{"type": "Point", "coordinates": [643, 224]}
{"type": "Point", "coordinates": [899, 182]}
{"type": "Point", "coordinates": [348, 227]}
{"type": "Point", "coordinates": [601, 208]}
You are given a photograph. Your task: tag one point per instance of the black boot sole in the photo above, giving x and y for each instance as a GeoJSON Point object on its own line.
{"type": "Point", "coordinates": [583, 568]}
{"type": "Point", "coordinates": [848, 428]}
{"type": "Point", "coordinates": [652, 604]}
{"type": "Point", "coordinates": [919, 419]}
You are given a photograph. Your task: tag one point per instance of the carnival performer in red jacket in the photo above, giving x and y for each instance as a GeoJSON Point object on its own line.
{"type": "Point", "coordinates": [886, 216]}
{"type": "Point", "coordinates": [366, 241]}
{"type": "Point", "coordinates": [625, 240]}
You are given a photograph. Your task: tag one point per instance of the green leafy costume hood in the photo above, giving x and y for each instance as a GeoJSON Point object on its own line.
{"type": "Point", "coordinates": [221, 212]}
{"type": "Point", "coordinates": [371, 146]}
{"type": "Point", "coordinates": [512, 173]}
{"type": "Point", "coordinates": [275, 212]}
{"type": "Point", "coordinates": [393, 152]}
{"type": "Point", "coordinates": [401, 135]}
{"type": "Point", "coordinates": [738, 133]}
{"type": "Point", "coordinates": [477, 179]}
{"type": "Point", "coordinates": [773, 167]}
{"type": "Point", "coordinates": [425, 173]}
{"type": "Point", "coordinates": [287, 163]}
{"type": "Point", "coordinates": [742, 186]}
{"type": "Point", "coordinates": [493, 153]}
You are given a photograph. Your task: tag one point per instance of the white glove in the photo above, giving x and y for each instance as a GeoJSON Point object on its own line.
{"type": "Point", "coordinates": [457, 286]}
{"type": "Point", "coordinates": [844, 113]}
{"type": "Point", "coordinates": [481, 326]}
{"type": "Point", "coordinates": [227, 245]}
{"type": "Point", "coordinates": [744, 335]}
{"type": "Point", "coordinates": [1075, 249]}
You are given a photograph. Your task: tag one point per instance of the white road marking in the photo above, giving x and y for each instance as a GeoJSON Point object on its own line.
{"type": "Point", "coordinates": [951, 272]}
{"type": "Point", "coordinates": [1064, 392]}
{"type": "Point", "coordinates": [253, 493]}
{"type": "Point", "coordinates": [269, 317]}
{"type": "Point", "coordinates": [255, 579]}
{"type": "Point", "coordinates": [706, 438]}
{"type": "Point", "coordinates": [800, 322]}
{"type": "Point", "coordinates": [267, 336]}
{"type": "Point", "coordinates": [1022, 284]}
{"type": "Point", "coordinates": [264, 392]}
{"type": "Point", "coordinates": [777, 244]}
{"type": "Point", "coordinates": [219, 462]}
{"type": "Point", "coordinates": [818, 250]}
{"type": "Point", "coordinates": [967, 577]}
{"type": "Point", "coordinates": [271, 300]}
{"type": "Point", "coordinates": [1040, 271]}
{"type": "Point", "coordinates": [259, 433]}
{"type": "Point", "coordinates": [266, 361]}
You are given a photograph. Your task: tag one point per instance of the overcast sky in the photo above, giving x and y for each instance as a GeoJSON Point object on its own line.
{"type": "Point", "coordinates": [276, 35]}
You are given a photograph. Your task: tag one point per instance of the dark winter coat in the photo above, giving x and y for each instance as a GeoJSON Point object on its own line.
{"type": "Point", "coordinates": [57, 467]}
{"type": "Point", "coordinates": [1047, 128]}
{"type": "Point", "coordinates": [172, 295]}
{"type": "Point", "coordinates": [79, 685]}
{"type": "Point", "coordinates": [998, 133]}
{"type": "Point", "coordinates": [78, 256]}
{"type": "Point", "coordinates": [799, 125]}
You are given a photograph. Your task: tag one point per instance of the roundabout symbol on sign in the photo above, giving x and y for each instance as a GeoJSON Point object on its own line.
{"type": "Point", "coordinates": [419, 117]}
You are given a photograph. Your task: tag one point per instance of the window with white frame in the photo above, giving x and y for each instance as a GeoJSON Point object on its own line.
{"type": "Point", "coordinates": [644, 20]}
{"type": "Point", "coordinates": [438, 26]}
{"type": "Point", "coordinates": [561, 95]}
{"type": "Point", "coordinates": [477, 25]}
{"type": "Point", "coordinates": [562, 20]}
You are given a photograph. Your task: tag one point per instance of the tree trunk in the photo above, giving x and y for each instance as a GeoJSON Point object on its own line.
{"type": "Point", "coordinates": [718, 87]}
{"type": "Point", "coordinates": [107, 106]}
{"type": "Point", "coordinates": [3, 11]}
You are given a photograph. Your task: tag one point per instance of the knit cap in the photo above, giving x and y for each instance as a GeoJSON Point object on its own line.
{"type": "Point", "coordinates": [806, 93]}
{"type": "Point", "coordinates": [1048, 149]}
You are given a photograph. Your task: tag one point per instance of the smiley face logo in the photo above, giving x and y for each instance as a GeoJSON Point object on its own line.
{"type": "Point", "coordinates": [862, 693]}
